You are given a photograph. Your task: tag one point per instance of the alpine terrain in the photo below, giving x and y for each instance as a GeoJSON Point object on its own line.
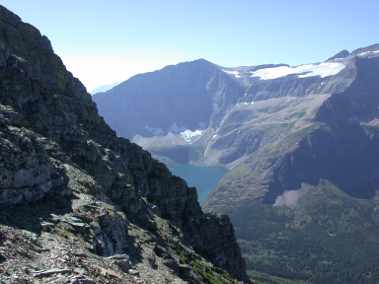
{"type": "Point", "coordinates": [300, 145]}
{"type": "Point", "coordinates": [80, 205]}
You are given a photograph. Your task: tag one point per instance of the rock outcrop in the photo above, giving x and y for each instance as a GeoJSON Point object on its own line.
{"type": "Point", "coordinates": [79, 204]}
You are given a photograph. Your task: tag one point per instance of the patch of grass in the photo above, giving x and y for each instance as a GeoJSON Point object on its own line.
{"type": "Point", "coordinates": [264, 278]}
{"type": "Point", "coordinates": [211, 274]}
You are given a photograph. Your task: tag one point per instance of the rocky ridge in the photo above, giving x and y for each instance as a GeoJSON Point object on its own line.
{"type": "Point", "coordinates": [80, 205]}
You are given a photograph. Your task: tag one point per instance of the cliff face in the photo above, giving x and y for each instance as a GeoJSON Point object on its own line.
{"type": "Point", "coordinates": [79, 202]}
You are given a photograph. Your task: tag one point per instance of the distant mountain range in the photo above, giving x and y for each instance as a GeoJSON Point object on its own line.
{"type": "Point", "coordinates": [301, 144]}
{"type": "Point", "coordinates": [103, 88]}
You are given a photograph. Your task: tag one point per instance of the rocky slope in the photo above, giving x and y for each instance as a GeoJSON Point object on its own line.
{"type": "Point", "coordinates": [301, 146]}
{"type": "Point", "coordinates": [80, 205]}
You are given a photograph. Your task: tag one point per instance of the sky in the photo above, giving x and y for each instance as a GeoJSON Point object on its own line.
{"type": "Point", "coordinates": [103, 42]}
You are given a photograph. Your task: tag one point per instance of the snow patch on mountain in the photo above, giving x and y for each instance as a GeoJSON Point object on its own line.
{"type": "Point", "coordinates": [234, 73]}
{"type": "Point", "coordinates": [248, 103]}
{"type": "Point", "coordinates": [323, 70]}
{"type": "Point", "coordinates": [368, 53]}
{"type": "Point", "coordinates": [191, 135]}
{"type": "Point", "coordinates": [288, 198]}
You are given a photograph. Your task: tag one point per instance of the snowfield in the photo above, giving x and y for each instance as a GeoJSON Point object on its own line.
{"type": "Point", "coordinates": [234, 73]}
{"type": "Point", "coordinates": [368, 53]}
{"type": "Point", "coordinates": [323, 70]}
{"type": "Point", "coordinates": [189, 135]}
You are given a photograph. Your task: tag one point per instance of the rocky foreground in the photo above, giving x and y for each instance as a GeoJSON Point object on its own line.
{"type": "Point", "coordinates": [80, 205]}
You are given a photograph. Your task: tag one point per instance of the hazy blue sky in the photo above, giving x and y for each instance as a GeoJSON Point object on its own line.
{"type": "Point", "coordinates": [106, 41]}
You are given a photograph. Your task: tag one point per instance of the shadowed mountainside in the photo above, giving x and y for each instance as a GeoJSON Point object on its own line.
{"type": "Point", "coordinates": [79, 204]}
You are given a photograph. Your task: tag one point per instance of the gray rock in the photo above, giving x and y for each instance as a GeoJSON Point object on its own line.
{"type": "Point", "coordinates": [121, 260]}
{"type": "Point", "coordinates": [81, 280]}
{"type": "Point", "coordinates": [133, 272]}
{"type": "Point", "coordinates": [57, 152]}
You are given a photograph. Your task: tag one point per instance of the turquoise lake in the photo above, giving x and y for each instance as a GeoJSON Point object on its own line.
{"type": "Point", "coordinates": [202, 177]}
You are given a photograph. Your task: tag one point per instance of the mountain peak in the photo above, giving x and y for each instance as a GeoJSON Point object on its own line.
{"type": "Point", "coordinates": [342, 54]}
{"type": "Point", "coordinates": [201, 60]}
{"type": "Point", "coordinates": [8, 16]}
{"type": "Point", "coordinates": [196, 62]}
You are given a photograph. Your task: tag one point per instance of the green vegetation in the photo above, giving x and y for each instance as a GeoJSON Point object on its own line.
{"type": "Point", "coordinates": [328, 237]}
{"type": "Point", "coordinates": [209, 274]}
{"type": "Point", "coordinates": [263, 278]}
